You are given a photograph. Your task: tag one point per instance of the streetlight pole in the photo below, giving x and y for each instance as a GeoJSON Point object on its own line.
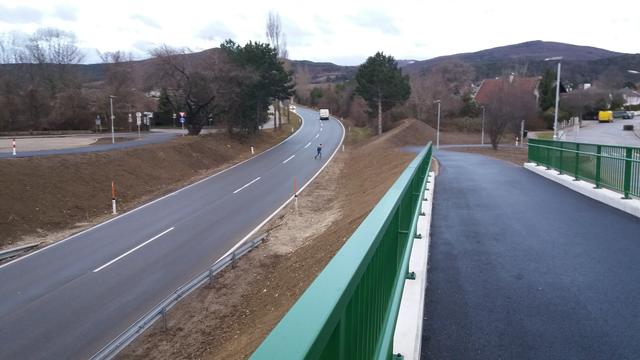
{"type": "Point", "coordinates": [482, 136]}
{"type": "Point", "coordinates": [113, 136]}
{"type": "Point", "coordinates": [555, 117]}
{"type": "Point", "coordinates": [438, 130]}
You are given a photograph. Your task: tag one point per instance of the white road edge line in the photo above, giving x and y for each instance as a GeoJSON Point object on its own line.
{"type": "Point", "coordinates": [156, 200]}
{"type": "Point", "coordinates": [344, 131]}
{"type": "Point", "coordinates": [289, 158]}
{"type": "Point", "coordinates": [132, 250]}
{"type": "Point", "coordinates": [306, 146]}
{"type": "Point", "coordinates": [252, 181]}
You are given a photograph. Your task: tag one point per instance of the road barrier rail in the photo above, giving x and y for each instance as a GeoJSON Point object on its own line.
{"type": "Point", "coordinates": [606, 166]}
{"type": "Point", "coordinates": [350, 310]}
{"type": "Point", "coordinates": [160, 310]}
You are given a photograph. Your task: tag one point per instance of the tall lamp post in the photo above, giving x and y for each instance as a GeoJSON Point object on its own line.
{"type": "Point", "coordinates": [555, 117]}
{"type": "Point", "coordinates": [482, 136]}
{"type": "Point", "coordinates": [113, 136]}
{"type": "Point", "coordinates": [438, 129]}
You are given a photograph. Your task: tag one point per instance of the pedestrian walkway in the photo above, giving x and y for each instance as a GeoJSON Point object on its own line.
{"type": "Point", "coordinates": [523, 268]}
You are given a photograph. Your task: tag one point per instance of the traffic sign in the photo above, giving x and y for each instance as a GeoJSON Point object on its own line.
{"type": "Point", "coordinates": [182, 120]}
{"type": "Point", "coordinates": [130, 120]}
{"type": "Point", "coordinates": [98, 120]}
{"type": "Point", "coordinates": [138, 118]}
{"type": "Point", "coordinates": [183, 114]}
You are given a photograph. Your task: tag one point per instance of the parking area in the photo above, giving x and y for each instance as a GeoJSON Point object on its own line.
{"type": "Point", "coordinates": [605, 133]}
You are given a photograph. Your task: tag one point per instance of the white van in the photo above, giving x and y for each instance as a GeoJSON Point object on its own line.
{"type": "Point", "coordinates": [324, 114]}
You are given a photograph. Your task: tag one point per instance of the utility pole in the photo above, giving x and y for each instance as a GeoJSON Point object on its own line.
{"type": "Point", "coordinates": [555, 117]}
{"type": "Point", "coordinates": [438, 129]}
{"type": "Point", "coordinates": [482, 136]}
{"type": "Point", "coordinates": [113, 135]}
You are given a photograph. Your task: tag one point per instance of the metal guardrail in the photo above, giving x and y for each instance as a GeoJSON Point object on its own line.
{"type": "Point", "coordinates": [350, 310]}
{"type": "Point", "coordinates": [160, 310]}
{"type": "Point", "coordinates": [613, 167]}
{"type": "Point", "coordinates": [9, 253]}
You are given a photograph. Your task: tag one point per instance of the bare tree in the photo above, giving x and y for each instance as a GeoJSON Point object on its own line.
{"type": "Point", "coordinates": [274, 33]}
{"type": "Point", "coordinates": [507, 105]}
{"type": "Point", "coordinates": [447, 82]}
{"type": "Point", "coordinates": [202, 88]}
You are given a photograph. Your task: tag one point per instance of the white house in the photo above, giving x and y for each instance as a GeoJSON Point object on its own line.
{"type": "Point", "coordinates": [631, 97]}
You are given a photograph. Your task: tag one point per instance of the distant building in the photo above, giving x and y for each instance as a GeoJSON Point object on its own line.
{"type": "Point", "coordinates": [631, 97]}
{"type": "Point", "coordinates": [489, 86]}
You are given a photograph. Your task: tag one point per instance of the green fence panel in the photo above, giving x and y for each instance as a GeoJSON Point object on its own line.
{"type": "Point", "coordinates": [350, 309]}
{"type": "Point", "coordinates": [613, 167]}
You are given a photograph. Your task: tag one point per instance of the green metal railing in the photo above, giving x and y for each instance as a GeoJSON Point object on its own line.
{"type": "Point", "coordinates": [613, 167]}
{"type": "Point", "coordinates": [350, 310]}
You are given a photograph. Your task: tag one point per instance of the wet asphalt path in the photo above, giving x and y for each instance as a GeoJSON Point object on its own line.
{"type": "Point", "coordinates": [523, 268]}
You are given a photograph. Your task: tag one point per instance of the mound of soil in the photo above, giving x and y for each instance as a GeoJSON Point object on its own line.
{"type": "Point", "coordinates": [230, 318]}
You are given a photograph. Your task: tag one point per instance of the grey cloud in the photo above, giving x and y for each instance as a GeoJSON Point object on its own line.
{"type": "Point", "coordinates": [146, 20]}
{"type": "Point", "coordinates": [144, 46]}
{"type": "Point", "coordinates": [377, 20]}
{"type": "Point", "coordinates": [19, 15]}
{"type": "Point", "coordinates": [66, 13]}
{"type": "Point", "coordinates": [321, 23]}
{"type": "Point", "coordinates": [296, 36]}
{"type": "Point", "coordinates": [215, 31]}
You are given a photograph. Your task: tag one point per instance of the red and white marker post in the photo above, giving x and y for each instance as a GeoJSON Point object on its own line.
{"type": "Point", "coordinates": [14, 147]}
{"type": "Point", "coordinates": [113, 197]}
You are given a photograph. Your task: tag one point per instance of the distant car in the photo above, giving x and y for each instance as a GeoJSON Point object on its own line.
{"type": "Point", "coordinates": [324, 114]}
{"type": "Point", "coordinates": [628, 115]}
{"type": "Point", "coordinates": [619, 114]}
{"type": "Point", "coordinates": [605, 116]}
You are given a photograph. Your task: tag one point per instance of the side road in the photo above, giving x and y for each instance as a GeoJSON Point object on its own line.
{"type": "Point", "coordinates": [524, 268]}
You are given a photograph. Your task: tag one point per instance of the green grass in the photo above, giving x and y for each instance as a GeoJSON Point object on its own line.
{"type": "Point", "coordinates": [544, 135]}
{"type": "Point", "coordinates": [357, 134]}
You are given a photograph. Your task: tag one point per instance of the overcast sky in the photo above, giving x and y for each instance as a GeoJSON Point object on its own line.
{"type": "Point", "coordinates": [344, 32]}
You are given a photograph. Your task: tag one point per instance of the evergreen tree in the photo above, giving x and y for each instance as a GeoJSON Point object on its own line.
{"type": "Point", "coordinates": [267, 80]}
{"type": "Point", "coordinates": [382, 85]}
{"type": "Point", "coordinates": [165, 108]}
{"type": "Point", "coordinates": [546, 89]}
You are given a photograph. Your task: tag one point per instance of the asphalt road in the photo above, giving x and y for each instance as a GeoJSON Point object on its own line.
{"type": "Point", "coordinates": [70, 299]}
{"type": "Point", "coordinates": [523, 268]}
{"type": "Point", "coordinates": [605, 133]}
{"type": "Point", "coordinates": [147, 139]}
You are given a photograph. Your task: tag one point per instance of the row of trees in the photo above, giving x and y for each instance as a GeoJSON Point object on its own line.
{"type": "Point", "coordinates": [234, 86]}
{"type": "Point", "coordinates": [44, 87]}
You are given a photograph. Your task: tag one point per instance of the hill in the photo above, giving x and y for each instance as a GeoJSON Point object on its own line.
{"type": "Point", "coordinates": [580, 63]}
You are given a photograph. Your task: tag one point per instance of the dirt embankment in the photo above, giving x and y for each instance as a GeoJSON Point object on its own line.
{"type": "Point", "coordinates": [229, 319]}
{"type": "Point", "coordinates": [47, 198]}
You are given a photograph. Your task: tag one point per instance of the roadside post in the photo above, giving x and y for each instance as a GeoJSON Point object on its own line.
{"type": "Point", "coordinates": [113, 197]}
{"type": "Point", "coordinates": [182, 115]}
{"type": "Point", "coordinates": [174, 119]}
{"type": "Point", "coordinates": [14, 147]}
{"type": "Point", "coordinates": [252, 152]}
{"type": "Point", "coordinates": [522, 133]}
{"type": "Point", "coordinates": [295, 194]}
{"type": "Point", "coordinates": [139, 122]}
{"type": "Point", "coordinates": [130, 121]}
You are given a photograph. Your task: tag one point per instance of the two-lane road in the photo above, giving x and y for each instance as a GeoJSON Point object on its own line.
{"type": "Point", "coordinates": [70, 299]}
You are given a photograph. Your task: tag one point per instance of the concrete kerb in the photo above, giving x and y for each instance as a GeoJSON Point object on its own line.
{"type": "Point", "coordinates": [609, 197]}
{"type": "Point", "coordinates": [407, 338]}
